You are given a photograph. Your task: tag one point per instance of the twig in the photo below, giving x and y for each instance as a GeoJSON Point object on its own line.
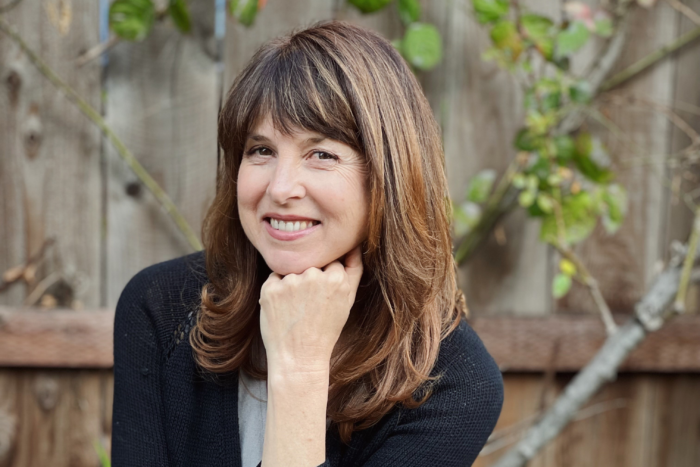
{"type": "Point", "coordinates": [97, 50]}
{"type": "Point", "coordinates": [679, 305]}
{"type": "Point", "coordinates": [9, 6]}
{"type": "Point", "coordinates": [591, 283]}
{"type": "Point", "coordinates": [123, 151]}
{"type": "Point", "coordinates": [603, 367]}
{"type": "Point", "coordinates": [685, 10]}
{"type": "Point", "coordinates": [650, 59]}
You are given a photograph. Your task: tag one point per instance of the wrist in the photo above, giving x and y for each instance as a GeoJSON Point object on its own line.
{"type": "Point", "coordinates": [289, 373]}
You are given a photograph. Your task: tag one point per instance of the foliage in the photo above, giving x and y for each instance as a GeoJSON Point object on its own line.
{"type": "Point", "coordinates": [421, 44]}
{"type": "Point", "coordinates": [564, 180]}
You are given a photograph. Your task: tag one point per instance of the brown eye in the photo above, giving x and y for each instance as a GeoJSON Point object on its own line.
{"type": "Point", "coordinates": [259, 150]}
{"type": "Point", "coordinates": [325, 156]}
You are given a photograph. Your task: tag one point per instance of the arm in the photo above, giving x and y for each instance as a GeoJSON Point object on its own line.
{"type": "Point", "coordinates": [137, 416]}
{"type": "Point", "coordinates": [301, 318]}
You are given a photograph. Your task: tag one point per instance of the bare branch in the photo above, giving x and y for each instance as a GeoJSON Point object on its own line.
{"type": "Point", "coordinates": [685, 10]}
{"type": "Point", "coordinates": [651, 313]}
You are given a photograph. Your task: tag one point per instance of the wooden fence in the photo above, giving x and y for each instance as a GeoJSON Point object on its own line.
{"type": "Point", "coordinates": [60, 180]}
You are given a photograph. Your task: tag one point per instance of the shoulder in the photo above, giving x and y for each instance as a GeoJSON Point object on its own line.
{"type": "Point", "coordinates": [162, 295]}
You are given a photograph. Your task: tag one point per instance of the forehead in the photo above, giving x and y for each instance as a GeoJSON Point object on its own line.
{"type": "Point", "coordinates": [265, 130]}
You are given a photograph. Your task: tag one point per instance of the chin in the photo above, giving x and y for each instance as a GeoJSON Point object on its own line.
{"type": "Point", "coordinates": [284, 266]}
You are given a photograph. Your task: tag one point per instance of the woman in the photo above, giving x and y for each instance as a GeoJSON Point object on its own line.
{"type": "Point", "coordinates": [322, 325]}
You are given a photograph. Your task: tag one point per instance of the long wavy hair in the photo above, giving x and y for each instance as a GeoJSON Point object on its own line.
{"type": "Point", "coordinates": [351, 85]}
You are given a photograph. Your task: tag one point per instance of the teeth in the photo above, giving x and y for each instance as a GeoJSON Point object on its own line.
{"type": "Point", "coordinates": [291, 226]}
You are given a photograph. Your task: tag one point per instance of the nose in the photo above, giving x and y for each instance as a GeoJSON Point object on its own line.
{"type": "Point", "coordinates": [286, 183]}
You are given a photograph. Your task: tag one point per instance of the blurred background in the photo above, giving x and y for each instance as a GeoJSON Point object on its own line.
{"type": "Point", "coordinates": [571, 135]}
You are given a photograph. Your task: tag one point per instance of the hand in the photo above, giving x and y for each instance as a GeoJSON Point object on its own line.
{"type": "Point", "coordinates": [302, 315]}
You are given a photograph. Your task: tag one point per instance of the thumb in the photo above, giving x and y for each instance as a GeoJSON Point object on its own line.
{"type": "Point", "coordinates": [353, 265]}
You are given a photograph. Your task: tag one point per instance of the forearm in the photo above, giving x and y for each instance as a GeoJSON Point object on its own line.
{"type": "Point", "coordinates": [295, 428]}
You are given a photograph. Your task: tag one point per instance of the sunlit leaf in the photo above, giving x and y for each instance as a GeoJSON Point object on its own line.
{"type": "Point", "coordinates": [526, 198]}
{"type": "Point", "coordinates": [422, 46]}
{"type": "Point", "coordinates": [567, 267]}
{"type": "Point", "coordinates": [539, 30]}
{"type": "Point", "coordinates": [244, 11]}
{"type": "Point", "coordinates": [571, 39]}
{"type": "Point", "coordinates": [177, 9]}
{"type": "Point", "coordinates": [615, 199]}
{"type": "Point", "coordinates": [544, 202]}
{"type": "Point", "coordinates": [131, 19]}
{"type": "Point", "coordinates": [409, 11]}
{"type": "Point", "coordinates": [579, 218]}
{"type": "Point", "coordinates": [505, 36]}
{"type": "Point", "coordinates": [584, 158]}
{"type": "Point", "coordinates": [525, 141]}
{"type": "Point", "coordinates": [490, 11]}
{"type": "Point", "coordinates": [369, 6]}
{"type": "Point", "coordinates": [561, 285]}
{"type": "Point", "coordinates": [480, 186]}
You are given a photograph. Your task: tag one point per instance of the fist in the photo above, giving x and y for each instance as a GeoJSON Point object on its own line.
{"type": "Point", "coordinates": [302, 315]}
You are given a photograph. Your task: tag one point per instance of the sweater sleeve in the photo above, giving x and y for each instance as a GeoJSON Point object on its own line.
{"type": "Point", "coordinates": [452, 426]}
{"type": "Point", "coordinates": [137, 416]}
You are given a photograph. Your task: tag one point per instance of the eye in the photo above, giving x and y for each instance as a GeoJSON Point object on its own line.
{"type": "Point", "coordinates": [258, 150]}
{"type": "Point", "coordinates": [325, 156]}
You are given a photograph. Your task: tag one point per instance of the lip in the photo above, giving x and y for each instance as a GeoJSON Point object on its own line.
{"type": "Point", "coordinates": [288, 236]}
{"type": "Point", "coordinates": [287, 217]}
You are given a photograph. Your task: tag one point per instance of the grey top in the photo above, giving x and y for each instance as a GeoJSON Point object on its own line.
{"type": "Point", "coordinates": [252, 411]}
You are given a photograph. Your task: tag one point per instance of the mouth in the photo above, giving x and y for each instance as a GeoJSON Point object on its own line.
{"type": "Point", "coordinates": [290, 228]}
{"type": "Point", "coordinates": [291, 225]}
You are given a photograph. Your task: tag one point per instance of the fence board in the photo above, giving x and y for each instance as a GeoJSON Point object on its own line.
{"type": "Point", "coordinates": [162, 100]}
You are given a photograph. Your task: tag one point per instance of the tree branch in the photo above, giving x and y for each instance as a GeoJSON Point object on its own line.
{"type": "Point", "coordinates": [97, 119]}
{"type": "Point", "coordinates": [650, 314]}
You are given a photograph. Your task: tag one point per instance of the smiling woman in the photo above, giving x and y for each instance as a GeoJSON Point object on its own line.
{"type": "Point", "coordinates": [330, 288]}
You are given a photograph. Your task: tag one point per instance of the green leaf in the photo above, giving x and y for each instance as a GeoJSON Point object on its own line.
{"type": "Point", "coordinates": [565, 148]}
{"type": "Point", "coordinates": [526, 198]}
{"type": "Point", "coordinates": [369, 6]}
{"type": "Point", "coordinates": [244, 11]}
{"type": "Point", "coordinates": [180, 15]}
{"type": "Point", "coordinates": [519, 181]}
{"type": "Point", "coordinates": [561, 285]}
{"type": "Point", "coordinates": [525, 141]}
{"type": "Point", "coordinates": [539, 30]}
{"type": "Point", "coordinates": [480, 186]}
{"type": "Point", "coordinates": [398, 45]}
{"type": "Point", "coordinates": [579, 216]}
{"type": "Point", "coordinates": [571, 39]}
{"type": "Point", "coordinates": [505, 36]}
{"type": "Point", "coordinates": [615, 201]}
{"type": "Point", "coordinates": [545, 203]}
{"type": "Point", "coordinates": [581, 92]}
{"type": "Point", "coordinates": [490, 11]}
{"type": "Point", "coordinates": [409, 11]}
{"type": "Point", "coordinates": [567, 267]}
{"type": "Point", "coordinates": [422, 46]}
{"type": "Point", "coordinates": [132, 19]}
{"type": "Point", "coordinates": [583, 158]}
{"type": "Point", "coordinates": [466, 217]}
{"type": "Point", "coordinates": [101, 453]}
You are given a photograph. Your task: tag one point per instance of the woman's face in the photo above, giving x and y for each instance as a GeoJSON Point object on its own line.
{"type": "Point", "coordinates": [302, 199]}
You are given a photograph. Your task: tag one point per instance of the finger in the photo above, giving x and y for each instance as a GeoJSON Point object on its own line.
{"type": "Point", "coordinates": [353, 265]}
{"type": "Point", "coordinates": [334, 266]}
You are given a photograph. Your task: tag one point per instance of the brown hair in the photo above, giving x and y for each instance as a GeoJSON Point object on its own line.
{"type": "Point", "coordinates": [351, 85]}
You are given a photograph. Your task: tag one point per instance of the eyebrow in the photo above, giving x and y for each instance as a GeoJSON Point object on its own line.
{"type": "Point", "coordinates": [311, 140]}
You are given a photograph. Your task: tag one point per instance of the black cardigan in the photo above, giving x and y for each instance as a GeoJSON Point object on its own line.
{"type": "Point", "coordinates": [166, 414]}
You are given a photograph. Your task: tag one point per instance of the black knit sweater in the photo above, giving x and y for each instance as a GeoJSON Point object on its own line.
{"type": "Point", "coordinates": [166, 414]}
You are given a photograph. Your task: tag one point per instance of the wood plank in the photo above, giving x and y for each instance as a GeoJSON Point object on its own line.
{"type": "Point", "coordinates": [568, 342]}
{"type": "Point", "coordinates": [162, 100]}
{"type": "Point", "coordinates": [68, 339]}
{"type": "Point", "coordinates": [50, 152]}
{"type": "Point", "coordinates": [83, 339]}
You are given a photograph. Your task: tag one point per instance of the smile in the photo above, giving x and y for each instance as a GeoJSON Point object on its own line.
{"type": "Point", "coordinates": [290, 229]}
{"type": "Point", "coordinates": [290, 226]}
